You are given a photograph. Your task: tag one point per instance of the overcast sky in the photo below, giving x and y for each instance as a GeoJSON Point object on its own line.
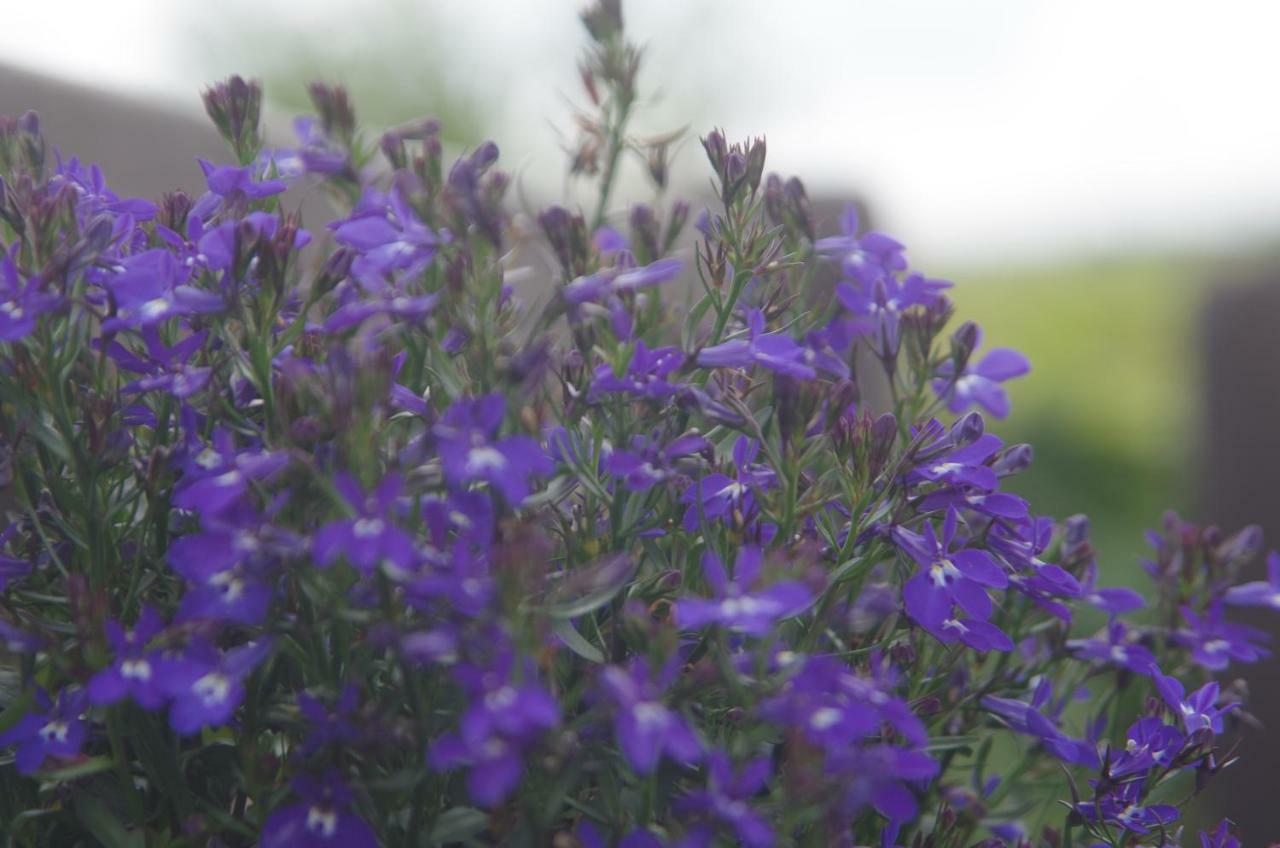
{"type": "Point", "coordinates": [980, 130]}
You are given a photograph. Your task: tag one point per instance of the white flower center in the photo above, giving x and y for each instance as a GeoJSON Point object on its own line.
{"type": "Point", "coordinates": [483, 459]}
{"type": "Point", "coordinates": [824, 718]}
{"type": "Point", "coordinates": [135, 670]}
{"type": "Point", "coordinates": [322, 821]}
{"type": "Point", "coordinates": [367, 528]}
{"type": "Point", "coordinates": [55, 731]}
{"type": "Point", "coordinates": [213, 688]}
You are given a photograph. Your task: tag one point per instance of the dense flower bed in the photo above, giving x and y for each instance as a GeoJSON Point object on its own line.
{"type": "Point", "coordinates": [340, 537]}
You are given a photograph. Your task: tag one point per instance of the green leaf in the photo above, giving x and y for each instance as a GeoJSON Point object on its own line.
{"type": "Point", "coordinates": [575, 641]}
{"type": "Point", "coordinates": [457, 825]}
{"type": "Point", "coordinates": [950, 743]}
{"type": "Point", "coordinates": [587, 589]}
{"type": "Point", "coordinates": [84, 768]}
{"type": "Point", "coordinates": [103, 825]}
{"type": "Point", "coordinates": [692, 322]}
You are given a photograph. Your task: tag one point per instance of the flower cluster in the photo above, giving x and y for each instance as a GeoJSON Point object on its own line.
{"type": "Point", "coordinates": [379, 532]}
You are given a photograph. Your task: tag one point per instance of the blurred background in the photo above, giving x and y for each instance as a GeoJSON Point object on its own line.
{"type": "Point", "coordinates": [1100, 179]}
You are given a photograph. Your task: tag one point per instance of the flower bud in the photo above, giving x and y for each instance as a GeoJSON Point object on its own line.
{"type": "Point", "coordinates": [235, 107]}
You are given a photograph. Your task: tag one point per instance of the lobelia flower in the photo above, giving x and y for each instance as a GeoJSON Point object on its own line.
{"type": "Point", "coordinates": [51, 728]}
{"type": "Point", "coordinates": [149, 288]}
{"type": "Point", "coordinates": [207, 687]}
{"type": "Point", "coordinates": [980, 383]}
{"type": "Point", "coordinates": [317, 153]}
{"type": "Point", "coordinates": [650, 462]}
{"type": "Point", "coordinates": [645, 728]}
{"type": "Point", "coordinates": [322, 818]}
{"type": "Point", "coordinates": [1149, 742]}
{"type": "Point", "coordinates": [1199, 710]}
{"type": "Point", "coordinates": [1039, 717]}
{"type": "Point", "coordinates": [218, 477]}
{"type": "Point", "coordinates": [371, 537]}
{"type": "Point", "coordinates": [21, 304]}
{"type": "Point", "coordinates": [833, 707]}
{"type": "Point", "coordinates": [719, 497]}
{"type": "Point", "coordinates": [1215, 643]}
{"type": "Point", "coordinates": [646, 374]}
{"type": "Point", "coordinates": [137, 672]}
{"type": "Point", "coordinates": [1219, 837]}
{"type": "Point", "coordinates": [471, 454]}
{"type": "Point", "coordinates": [734, 607]}
{"type": "Point", "coordinates": [1121, 805]}
{"type": "Point", "coordinates": [229, 184]}
{"type": "Point", "coordinates": [619, 279]}
{"type": "Point", "coordinates": [1020, 544]}
{"type": "Point", "coordinates": [389, 237]}
{"type": "Point", "coordinates": [388, 302]}
{"type": "Point", "coordinates": [867, 258]}
{"type": "Point", "coordinates": [164, 367]}
{"type": "Point", "coordinates": [1259, 593]}
{"type": "Point", "coordinates": [1114, 601]}
{"type": "Point", "coordinates": [951, 576]}
{"type": "Point", "coordinates": [216, 247]}
{"type": "Point", "coordinates": [723, 804]}
{"type": "Point", "coordinates": [503, 720]}
{"type": "Point", "coordinates": [965, 465]}
{"type": "Point", "coordinates": [231, 566]}
{"type": "Point", "coordinates": [775, 351]}
{"type": "Point", "coordinates": [1114, 648]}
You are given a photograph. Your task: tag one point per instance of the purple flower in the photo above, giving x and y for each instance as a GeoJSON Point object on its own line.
{"type": "Point", "coordinates": [734, 606]}
{"type": "Point", "coordinates": [649, 462]}
{"type": "Point", "coordinates": [1199, 710]}
{"type": "Point", "coordinates": [1215, 643]}
{"type": "Point", "coordinates": [20, 304]}
{"type": "Point", "coordinates": [1219, 837]}
{"type": "Point", "coordinates": [316, 153]}
{"type": "Point", "coordinates": [164, 367]}
{"type": "Point", "coordinates": [980, 383]}
{"type": "Point", "coordinates": [149, 289]}
{"type": "Point", "coordinates": [1115, 601]}
{"type": "Point", "coordinates": [833, 707]}
{"type": "Point", "coordinates": [322, 818]}
{"type": "Point", "coordinates": [217, 247]}
{"type": "Point", "coordinates": [952, 575]}
{"type": "Point", "coordinates": [136, 671]}
{"type": "Point", "coordinates": [645, 727]}
{"type": "Point", "coordinates": [775, 351]}
{"type": "Point", "coordinates": [1149, 743]}
{"type": "Point", "coordinates": [218, 477]}
{"type": "Point", "coordinates": [50, 729]}
{"type": "Point", "coordinates": [231, 568]}
{"type": "Point", "coordinates": [503, 720]}
{"type": "Point", "coordinates": [1260, 593]}
{"type": "Point", "coordinates": [724, 802]}
{"type": "Point", "coordinates": [387, 302]}
{"type": "Point", "coordinates": [229, 184]}
{"type": "Point", "coordinates": [207, 687]}
{"type": "Point", "coordinates": [1039, 717]}
{"type": "Point", "coordinates": [1114, 648]}
{"type": "Point", "coordinates": [868, 258]}
{"type": "Point", "coordinates": [646, 374]}
{"type": "Point", "coordinates": [719, 497]}
{"type": "Point", "coordinates": [619, 279]}
{"type": "Point", "coordinates": [965, 465]}
{"type": "Point", "coordinates": [471, 454]}
{"type": "Point", "coordinates": [1122, 806]}
{"type": "Point", "coordinates": [371, 536]}
{"type": "Point", "coordinates": [390, 238]}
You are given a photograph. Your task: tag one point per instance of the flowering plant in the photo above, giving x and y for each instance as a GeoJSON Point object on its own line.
{"type": "Point", "coordinates": [322, 537]}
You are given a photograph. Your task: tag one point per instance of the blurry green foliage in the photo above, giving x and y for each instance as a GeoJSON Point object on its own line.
{"type": "Point", "coordinates": [1110, 404]}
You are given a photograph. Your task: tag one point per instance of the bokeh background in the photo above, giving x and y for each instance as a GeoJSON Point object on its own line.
{"type": "Point", "coordinates": [1101, 180]}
